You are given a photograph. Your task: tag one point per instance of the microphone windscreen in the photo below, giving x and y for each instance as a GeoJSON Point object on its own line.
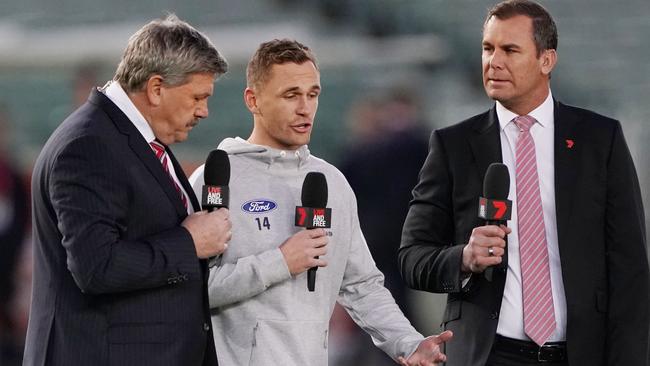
{"type": "Point", "coordinates": [496, 184]}
{"type": "Point", "coordinates": [314, 190]}
{"type": "Point", "coordinates": [217, 169]}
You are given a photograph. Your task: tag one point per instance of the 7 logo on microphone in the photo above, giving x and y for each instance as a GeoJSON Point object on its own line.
{"type": "Point", "coordinates": [492, 209]}
{"type": "Point", "coordinates": [310, 217]}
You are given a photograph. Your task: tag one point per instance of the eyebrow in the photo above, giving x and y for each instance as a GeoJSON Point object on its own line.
{"type": "Point", "coordinates": [297, 89]}
{"type": "Point", "coordinates": [510, 45]}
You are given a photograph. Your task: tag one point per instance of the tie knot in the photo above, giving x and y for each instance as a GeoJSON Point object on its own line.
{"type": "Point", "coordinates": [525, 122]}
{"type": "Point", "coordinates": [158, 148]}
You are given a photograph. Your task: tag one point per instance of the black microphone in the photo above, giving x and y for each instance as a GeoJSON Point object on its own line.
{"type": "Point", "coordinates": [216, 176]}
{"type": "Point", "coordinates": [494, 207]}
{"type": "Point", "coordinates": [313, 213]}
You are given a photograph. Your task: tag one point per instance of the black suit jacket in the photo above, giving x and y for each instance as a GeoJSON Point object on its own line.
{"type": "Point", "coordinates": [116, 278]}
{"type": "Point", "coordinates": [601, 232]}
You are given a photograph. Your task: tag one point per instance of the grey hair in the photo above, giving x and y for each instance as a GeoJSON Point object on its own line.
{"type": "Point", "coordinates": [170, 48]}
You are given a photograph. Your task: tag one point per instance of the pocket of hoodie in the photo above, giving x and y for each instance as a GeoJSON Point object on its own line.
{"type": "Point", "coordinates": [289, 342]}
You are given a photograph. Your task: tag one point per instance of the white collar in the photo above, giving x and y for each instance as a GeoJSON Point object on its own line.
{"type": "Point", "coordinates": [113, 90]}
{"type": "Point", "coordinates": [543, 113]}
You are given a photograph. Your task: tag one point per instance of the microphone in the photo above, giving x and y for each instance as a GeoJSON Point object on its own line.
{"type": "Point", "coordinates": [216, 175]}
{"type": "Point", "coordinates": [494, 207]}
{"type": "Point", "coordinates": [313, 213]}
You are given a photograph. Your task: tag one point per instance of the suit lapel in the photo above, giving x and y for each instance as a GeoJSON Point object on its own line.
{"type": "Point", "coordinates": [567, 149]}
{"type": "Point", "coordinates": [142, 150]}
{"type": "Point", "coordinates": [486, 143]}
{"type": "Point", "coordinates": [180, 174]}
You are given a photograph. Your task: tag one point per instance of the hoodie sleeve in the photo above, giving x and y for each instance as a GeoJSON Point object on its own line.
{"type": "Point", "coordinates": [368, 302]}
{"type": "Point", "coordinates": [249, 276]}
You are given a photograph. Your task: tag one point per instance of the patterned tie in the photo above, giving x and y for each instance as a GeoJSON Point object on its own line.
{"type": "Point", "coordinates": [539, 315]}
{"type": "Point", "coordinates": [161, 154]}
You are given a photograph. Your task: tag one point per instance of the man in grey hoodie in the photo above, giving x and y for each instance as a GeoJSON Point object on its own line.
{"type": "Point", "coordinates": [258, 293]}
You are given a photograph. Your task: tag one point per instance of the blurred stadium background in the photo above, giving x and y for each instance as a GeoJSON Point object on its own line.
{"type": "Point", "coordinates": [53, 52]}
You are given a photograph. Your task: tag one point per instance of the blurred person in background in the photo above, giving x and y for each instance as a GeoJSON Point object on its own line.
{"type": "Point", "coordinates": [571, 286]}
{"type": "Point", "coordinates": [258, 289]}
{"type": "Point", "coordinates": [14, 221]}
{"type": "Point", "coordinates": [120, 244]}
{"type": "Point", "coordinates": [382, 170]}
{"type": "Point", "coordinates": [385, 154]}
{"type": "Point", "coordinates": [84, 79]}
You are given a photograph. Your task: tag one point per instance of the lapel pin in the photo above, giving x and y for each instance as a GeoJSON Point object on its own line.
{"type": "Point", "coordinates": [569, 143]}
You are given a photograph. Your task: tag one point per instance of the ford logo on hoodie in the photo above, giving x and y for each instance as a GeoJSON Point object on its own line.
{"type": "Point", "coordinates": [259, 206]}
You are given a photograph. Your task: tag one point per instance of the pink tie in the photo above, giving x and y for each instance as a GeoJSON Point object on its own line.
{"type": "Point", "coordinates": [539, 315]}
{"type": "Point", "coordinates": [161, 154]}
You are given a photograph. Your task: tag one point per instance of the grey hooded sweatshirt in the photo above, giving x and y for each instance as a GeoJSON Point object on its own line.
{"type": "Point", "coordinates": [261, 314]}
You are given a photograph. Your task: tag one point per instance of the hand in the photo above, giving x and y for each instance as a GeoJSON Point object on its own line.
{"type": "Point", "coordinates": [428, 352]}
{"type": "Point", "coordinates": [476, 254]}
{"type": "Point", "coordinates": [300, 250]}
{"type": "Point", "coordinates": [211, 231]}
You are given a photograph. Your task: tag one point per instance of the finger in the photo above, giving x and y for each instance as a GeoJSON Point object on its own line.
{"type": "Point", "coordinates": [318, 251]}
{"type": "Point", "coordinates": [316, 233]}
{"type": "Point", "coordinates": [489, 230]}
{"type": "Point", "coordinates": [496, 252]}
{"type": "Point", "coordinates": [444, 336]}
{"type": "Point", "coordinates": [320, 263]}
{"type": "Point", "coordinates": [320, 242]}
{"type": "Point", "coordinates": [402, 361]}
{"type": "Point", "coordinates": [485, 242]}
{"type": "Point", "coordinates": [485, 262]}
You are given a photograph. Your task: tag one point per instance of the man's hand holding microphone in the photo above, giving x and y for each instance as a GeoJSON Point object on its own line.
{"type": "Point", "coordinates": [211, 228]}
{"type": "Point", "coordinates": [487, 248]}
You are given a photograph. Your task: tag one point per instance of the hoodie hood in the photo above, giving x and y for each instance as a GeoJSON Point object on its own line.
{"type": "Point", "coordinates": [271, 156]}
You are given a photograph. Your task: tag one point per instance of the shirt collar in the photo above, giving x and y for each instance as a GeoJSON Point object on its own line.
{"type": "Point", "coordinates": [113, 90]}
{"type": "Point", "coordinates": [543, 113]}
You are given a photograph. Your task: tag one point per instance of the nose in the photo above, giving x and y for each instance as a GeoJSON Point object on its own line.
{"type": "Point", "coordinates": [306, 105]}
{"type": "Point", "coordinates": [202, 110]}
{"type": "Point", "coordinates": [301, 108]}
{"type": "Point", "coordinates": [496, 59]}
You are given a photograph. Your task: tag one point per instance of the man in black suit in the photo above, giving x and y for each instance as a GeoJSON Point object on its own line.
{"type": "Point", "coordinates": [120, 243]}
{"type": "Point", "coordinates": [584, 301]}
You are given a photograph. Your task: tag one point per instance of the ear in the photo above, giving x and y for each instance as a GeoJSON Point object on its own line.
{"type": "Point", "coordinates": [154, 89]}
{"type": "Point", "coordinates": [250, 98]}
{"type": "Point", "coordinates": [548, 61]}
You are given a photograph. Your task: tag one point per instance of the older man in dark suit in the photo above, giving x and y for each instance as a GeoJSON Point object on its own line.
{"type": "Point", "coordinates": [120, 244]}
{"type": "Point", "coordinates": [571, 286]}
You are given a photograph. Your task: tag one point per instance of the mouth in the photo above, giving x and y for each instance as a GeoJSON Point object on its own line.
{"type": "Point", "coordinates": [302, 127]}
{"type": "Point", "coordinates": [192, 124]}
{"type": "Point", "coordinates": [497, 81]}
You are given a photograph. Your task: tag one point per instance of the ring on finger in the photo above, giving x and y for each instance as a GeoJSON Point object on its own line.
{"type": "Point", "coordinates": [490, 251]}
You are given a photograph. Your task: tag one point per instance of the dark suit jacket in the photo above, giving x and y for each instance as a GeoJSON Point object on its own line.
{"type": "Point", "coordinates": [116, 278]}
{"type": "Point", "coordinates": [601, 232]}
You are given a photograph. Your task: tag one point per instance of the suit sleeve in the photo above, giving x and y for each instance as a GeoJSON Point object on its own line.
{"type": "Point", "coordinates": [91, 196]}
{"type": "Point", "coordinates": [369, 303]}
{"type": "Point", "coordinates": [428, 258]}
{"type": "Point", "coordinates": [629, 307]}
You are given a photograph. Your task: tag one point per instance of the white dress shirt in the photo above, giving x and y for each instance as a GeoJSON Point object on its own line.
{"type": "Point", "coordinates": [511, 318]}
{"type": "Point", "coordinates": [113, 90]}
